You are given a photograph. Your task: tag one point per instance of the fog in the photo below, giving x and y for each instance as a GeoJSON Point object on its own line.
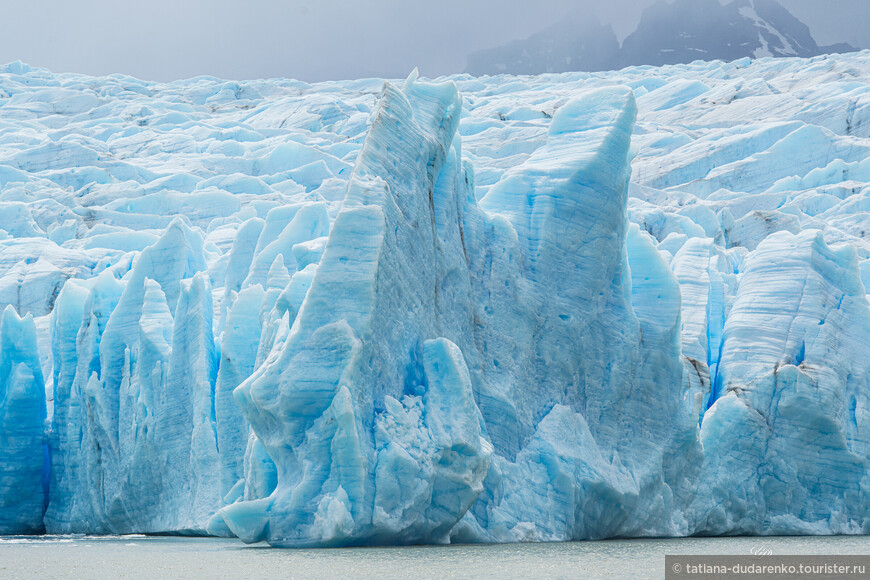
{"type": "Point", "coordinates": [306, 39]}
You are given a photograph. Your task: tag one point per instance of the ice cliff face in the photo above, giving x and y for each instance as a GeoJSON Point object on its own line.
{"type": "Point", "coordinates": [22, 424]}
{"type": "Point", "coordinates": [477, 310]}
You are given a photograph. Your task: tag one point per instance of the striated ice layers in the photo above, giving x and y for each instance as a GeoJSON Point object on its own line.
{"type": "Point", "coordinates": [565, 307]}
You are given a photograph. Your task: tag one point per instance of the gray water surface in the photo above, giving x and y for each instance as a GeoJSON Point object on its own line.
{"type": "Point", "coordinates": [91, 557]}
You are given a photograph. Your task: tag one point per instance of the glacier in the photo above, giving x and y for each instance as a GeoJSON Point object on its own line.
{"type": "Point", "coordinates": [495, 309]}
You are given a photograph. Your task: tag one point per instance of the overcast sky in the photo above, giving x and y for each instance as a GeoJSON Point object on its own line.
{"type": "Point", "coordinates": [311, 39]}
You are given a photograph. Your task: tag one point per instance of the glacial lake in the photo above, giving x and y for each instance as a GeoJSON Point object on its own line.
{"type": "Point", "coordinates": [94, 558]}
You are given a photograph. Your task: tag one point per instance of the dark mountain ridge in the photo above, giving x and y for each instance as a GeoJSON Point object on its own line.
{"type": "Point", "coordinates": [669, 33]}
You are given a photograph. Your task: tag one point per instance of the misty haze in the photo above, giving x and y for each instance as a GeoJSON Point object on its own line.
{"type": "Point", "coordinates": [337, 39]}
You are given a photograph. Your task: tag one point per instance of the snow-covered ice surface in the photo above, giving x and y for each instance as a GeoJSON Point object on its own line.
{"type": "Point", "coordinates": [479, 310]}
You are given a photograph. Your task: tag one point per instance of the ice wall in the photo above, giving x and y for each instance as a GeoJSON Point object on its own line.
{"type": "Point", "coordinates": [786, 439]}
{"type": "Point", "coordinates": [366, 409]}
{"type": "Point", "coordinates": [134, 446]}
{"type": "Point", "coordinates": [373, 444]}
{"type": "Point", "coordinates": [552, 308]}
{"type": "Point", "coordinates": [22, 426]}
